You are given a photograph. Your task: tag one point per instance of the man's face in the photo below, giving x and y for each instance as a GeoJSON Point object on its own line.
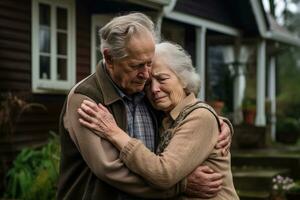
{"type": "Point", "coordinates": [132, 72]}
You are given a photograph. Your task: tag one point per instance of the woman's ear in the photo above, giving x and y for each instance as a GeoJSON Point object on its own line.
{"type": "Point", "coordinates": [184, 84]}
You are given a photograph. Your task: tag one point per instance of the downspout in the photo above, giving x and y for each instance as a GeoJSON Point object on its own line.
{"type": "Point", "coordinates": [166, 9]}
{"type": "Point", "coordinates": [262, 27]}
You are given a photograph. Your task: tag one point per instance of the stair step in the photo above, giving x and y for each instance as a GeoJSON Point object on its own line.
{"type": "Point", "coordinates": [253, 195]}
{"type": "Point", "coordinates": [256, 179]}
{"type": "Point", "coordinates": [268, 159]}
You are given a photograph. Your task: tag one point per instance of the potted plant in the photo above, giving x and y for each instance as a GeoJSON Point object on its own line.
{"type": "Point", "coordinates": [249, 110]}
{"type": "Point", "coordinates": [218, 106]}
{"type": "Point", "coordinates": [280, 186]}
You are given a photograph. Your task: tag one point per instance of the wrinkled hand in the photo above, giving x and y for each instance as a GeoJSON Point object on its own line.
{"type": "Point", "coordinates": [203, 182]}
{"type": "Point", "coordinates": [224, 139]}
{"type": "Point", "coordinates": [97, 118]}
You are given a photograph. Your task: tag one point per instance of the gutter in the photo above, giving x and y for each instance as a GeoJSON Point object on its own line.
{"type": "Point", "coordinates": [271, 34]}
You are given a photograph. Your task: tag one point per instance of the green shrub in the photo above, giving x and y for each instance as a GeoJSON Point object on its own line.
{"type": "Point", "coordinates": [288, 124]}
{"type": "Point", "coordinates": [35, 172]}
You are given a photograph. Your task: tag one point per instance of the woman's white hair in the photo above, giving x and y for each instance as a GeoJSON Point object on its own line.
{"type": "Point", "coordinates": [115, 34]}
{"type": "Point", "coordinates": [179, 61]}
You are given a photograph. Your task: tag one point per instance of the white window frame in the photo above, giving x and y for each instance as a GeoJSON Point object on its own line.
{"type": "Point", "coordinates": [97, 20]}
{"type": "Point", "coordinates": [53, 85]}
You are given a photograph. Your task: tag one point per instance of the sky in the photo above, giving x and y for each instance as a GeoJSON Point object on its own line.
{"type": "Point", "coordinates": [280, 7]}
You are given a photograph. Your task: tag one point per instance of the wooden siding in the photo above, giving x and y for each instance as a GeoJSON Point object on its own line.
{"type": "Point", "coordinates": [83, 41]}
{"type": "Point", "coordinates": [15, 45]}
{"type": "Point", "coordinates": [15, 65]}
{"type": "Point", "coordinates": [216, 10]}
{"type": "Point", "coordinates": [234, 13]}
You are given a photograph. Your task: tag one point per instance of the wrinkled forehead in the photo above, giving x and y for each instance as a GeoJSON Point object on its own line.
{"type": "Point", "coordinates": [141, 45]}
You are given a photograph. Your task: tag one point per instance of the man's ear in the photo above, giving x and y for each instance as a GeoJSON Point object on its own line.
{"type": "Point", "coordinates": [107, 57]}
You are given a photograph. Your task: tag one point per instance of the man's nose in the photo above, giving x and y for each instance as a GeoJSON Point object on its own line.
{"type": "Point", "coordinates": [144, 72]}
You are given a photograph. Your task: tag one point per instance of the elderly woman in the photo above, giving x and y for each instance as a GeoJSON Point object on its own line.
{"type": "Point", "coordinates": [189, 129]}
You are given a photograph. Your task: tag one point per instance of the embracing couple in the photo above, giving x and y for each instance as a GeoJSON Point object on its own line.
{"type": "Point", "coordinates": [135, 130]}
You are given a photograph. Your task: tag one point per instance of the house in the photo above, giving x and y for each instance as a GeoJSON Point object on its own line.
{"type": "Point", "coordinates": [46, 46]}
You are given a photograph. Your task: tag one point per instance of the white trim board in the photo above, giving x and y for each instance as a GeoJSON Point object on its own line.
{"type": "Point", "coordinates": [200, 22]}
{"type": "Point", "coordinates": [97, 20]}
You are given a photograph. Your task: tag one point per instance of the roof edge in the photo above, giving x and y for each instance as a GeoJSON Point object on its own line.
{"type": "Point", "coordinates": [155, 4]}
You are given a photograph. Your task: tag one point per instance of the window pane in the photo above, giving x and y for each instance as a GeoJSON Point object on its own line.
{"type": "Point", "coordinates": [44, 67]}
{"type": "Point", "coordinates": [44, 14]}
{"type": "Point", "coordinates": [62, 43]}
{"type": "Point", "coordinates": [61, 69]}
{"type": "Point", "coordinates": [44, 39]}
{"type": "Point", "coordinates": [61, 18]}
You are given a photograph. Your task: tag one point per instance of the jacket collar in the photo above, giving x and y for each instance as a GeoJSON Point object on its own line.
{"type": "Point", "coordinates": [110, 93]}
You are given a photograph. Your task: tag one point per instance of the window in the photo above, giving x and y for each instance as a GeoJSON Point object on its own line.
{"type": "Point", "coordinates": [53, 45]}
{"type": "Point", "coordinates": [98, 21]}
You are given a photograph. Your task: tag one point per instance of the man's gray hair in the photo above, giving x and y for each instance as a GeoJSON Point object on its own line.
{"type": "Point", "coordinates": [116, 33]}
{"type": "Point", "coordinates": [179, 61]}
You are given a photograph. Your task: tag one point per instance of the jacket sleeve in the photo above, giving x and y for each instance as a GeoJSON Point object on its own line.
{"type": "Point", "coordinates": [192, 143]}
{"type": "Point", "coordinates": [103, 158]}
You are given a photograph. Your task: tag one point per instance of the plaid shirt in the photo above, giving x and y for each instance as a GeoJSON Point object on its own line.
{"type": "Point", "coordinates": [139, 120]}
{"type": "Point", "coordinates": [139, 124]}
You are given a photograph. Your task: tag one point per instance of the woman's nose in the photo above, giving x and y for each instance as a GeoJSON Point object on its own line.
{"type": "Point", "coordinates": [154, 86]}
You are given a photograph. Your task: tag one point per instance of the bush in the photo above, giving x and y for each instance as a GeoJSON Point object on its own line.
{"type": "Point", "coordinates": [287, 130]}
{"type": "Point", "coordinates": [35, 172]}
{"type": "Point", "coordinates": [288, 124]}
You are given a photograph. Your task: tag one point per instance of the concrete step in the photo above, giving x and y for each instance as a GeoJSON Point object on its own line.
{"type": "Point", "coordinates": [269, 158]}
{"type": "Point", "coordinates": [253, 195]}
{"type": "Point", "coordinates": [255, 179]}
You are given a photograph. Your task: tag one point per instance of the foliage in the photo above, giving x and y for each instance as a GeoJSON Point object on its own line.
{"type": "Point", "coordinates": [35, 172]}
{"type": "Point", "coordinates": [11, 108]}
{"type": "Point", "coordinates": [249, 104]}
{"type": "Point", "coordinates": [288, 124]}
{"type": "Point", "coordinates": [295, 187]}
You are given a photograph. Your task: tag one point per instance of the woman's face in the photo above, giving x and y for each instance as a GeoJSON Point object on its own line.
{"type": "Point", "coordinates": [164, 89]}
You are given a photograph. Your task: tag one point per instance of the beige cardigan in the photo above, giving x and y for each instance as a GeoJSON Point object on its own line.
{"type": "Point", "coordinates": [192, 145]}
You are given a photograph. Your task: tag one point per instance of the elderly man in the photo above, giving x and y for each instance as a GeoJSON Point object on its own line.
{"type": "Point", "coordinates": [90, 166]}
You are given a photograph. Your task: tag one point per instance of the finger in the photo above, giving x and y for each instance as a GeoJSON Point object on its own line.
{"type": "Point", "coordinates": [103, 107]}
{"type": "Point", "coordinates": [90, 104]}
{"type": "Point", "coordinates": [85, 123]}
{"type": "Point", "coordinates": [88, 110]}
{"type": "Point", "coordinates": [215, 185]}
{"type": "Point", "coordinates": [84, 115]}
{"type": "Point", "coordinates": [221, 121]}
{"type": "Point", "coordinates": [223, 134]}
{"type": "Point", "coordinates": [205, 169]}
{"type": "Point", "coordinates": [87, 116]}
{"type": "Point", "coordinates": [225, 151]}
{"type": "Point", "coordinates": [223, 143]}
{"type": "Point", "coordinates": [215, 177]}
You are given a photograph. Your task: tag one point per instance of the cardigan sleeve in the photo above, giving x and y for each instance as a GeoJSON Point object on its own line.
{"type": "Point", "coordinates": [103, 158]}
{"type": "Point", "coordinates": [227, 121]}
{"type": "Point", "coordinates": [193, 141]}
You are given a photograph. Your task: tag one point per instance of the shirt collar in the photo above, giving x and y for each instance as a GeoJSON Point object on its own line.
{"type": "Point", "coordinates": [190, 99]}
